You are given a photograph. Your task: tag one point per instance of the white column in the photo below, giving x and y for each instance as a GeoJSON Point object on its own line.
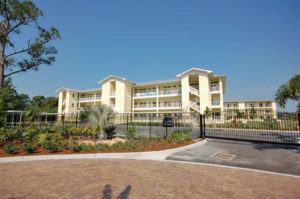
{"type": "Point", "coordinates": [157, 98]}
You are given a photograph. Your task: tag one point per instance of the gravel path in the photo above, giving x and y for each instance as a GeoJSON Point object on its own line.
{"type": "Point", "coordinates": [110, 178]}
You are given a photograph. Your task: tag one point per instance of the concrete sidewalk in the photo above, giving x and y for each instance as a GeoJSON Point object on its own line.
{"type": "Point", "coordinates": [266, 157]}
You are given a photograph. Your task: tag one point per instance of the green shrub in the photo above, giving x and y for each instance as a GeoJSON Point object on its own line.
{"type": "Point", "coordinates": [130, 134]}
{"type": "Point", "coordinates": [84, 147]}
{"type": "Point", "coordinates": [92, 147]}
{"type": "Point", "coordinates": [50, 141]}
{"type": "Point", "coordinates": [31, 134]}
{"type": "Point", "coordinates": [29, 147]}
{"type": "Point", "coordinates": [65, 145]}
{"type": "Point", "coordinates": [121, 145]}
{"type": "Point", "coordinates": [99, 147]}
{"type": "Point", "coordinates": [169, 139]}
{"type": "Point", "coordinates": [114, 147]}
{"type": "Point", "coordinates": [129, 146]}
{"type": "Point", "coordinates": [141, 147]}
{"type": "Point", "coordinates": [106, 146]}
{"type": "Point", "coordinates": [52, 145]}
{"type": "Point", "coordinates": [180, 139]}
{"type": "Point", "coordinates": [10, 135]}
{"type": "Point", "coordinates": [110, 132]}
{"type": "Point", "coordinates": [75, 147]}
{"type": "Point", "coordinates": [10, 148]}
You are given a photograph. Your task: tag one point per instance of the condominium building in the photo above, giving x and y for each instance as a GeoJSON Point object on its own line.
{"type": "Point", "coordinates": [193, 90]}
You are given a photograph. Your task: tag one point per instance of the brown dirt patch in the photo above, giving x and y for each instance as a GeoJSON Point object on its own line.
{"type": "Point", "coordinates": [143, 179]}
{"type": "Point", "coordinates": [146, 146]}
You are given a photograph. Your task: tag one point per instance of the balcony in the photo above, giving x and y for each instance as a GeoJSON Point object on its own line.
{"type": "Point", "coordinates": [161, 106]}
{"type": "Point", "coordinates": [215, 103]}
{"type": "Point", "coordinates": [214, 88]}
{"type": "Point", "coordinates": [89, 99]}
{"type": "Point", "coordinates": [112, 93]}
{"type": "Point", "coordinates": [161, 93]}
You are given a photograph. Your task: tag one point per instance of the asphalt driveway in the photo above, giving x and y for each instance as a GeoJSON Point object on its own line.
{"type": "Point", "coordinates": [268, 157]}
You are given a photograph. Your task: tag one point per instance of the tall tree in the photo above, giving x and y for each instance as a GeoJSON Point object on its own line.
{"type": "Point", "coordinates": [289, 90]}
{"type": "Point", "coordinates": [16, 15]}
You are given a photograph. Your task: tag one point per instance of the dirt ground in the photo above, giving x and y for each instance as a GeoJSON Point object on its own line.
{"type": "Point", "coordinates": [137, 179]}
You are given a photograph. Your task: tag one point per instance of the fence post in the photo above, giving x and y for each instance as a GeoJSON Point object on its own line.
{"type": "Point", "coordinates": [63, 120]}
{"type": "Point", "coordinates": [204, 129]}
{"type": "Point", "coordinates": [127, 122]}
{"type": "Point", "coordinates": [201, 126]}
{"type": "Point", "coordinates": [150, 126]}
{"type": "Point", "coordinates": [299, 120]}
{"type": "Point", "coordinates": [76, 120]}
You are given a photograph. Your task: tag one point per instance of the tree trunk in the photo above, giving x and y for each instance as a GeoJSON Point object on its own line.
{"type": "Point", "coordinates": [1, 76]}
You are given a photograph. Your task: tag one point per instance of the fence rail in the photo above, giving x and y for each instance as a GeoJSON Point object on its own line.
{"type": "Point", "coordinates": [248, 126]}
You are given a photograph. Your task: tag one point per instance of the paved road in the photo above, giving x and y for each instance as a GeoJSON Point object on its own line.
{"type": "Point", "coordinates": [268, 157]}
{"type": "Point", "coordinates": [255, 134]}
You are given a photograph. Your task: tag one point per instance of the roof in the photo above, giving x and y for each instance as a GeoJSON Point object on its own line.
{"type": "Point", "coordinates": [193, 69]}
{"type": "Point", "coordinates": [234, 101]}
{"type": "Point", "coordinates": [157, 82]}
{"type": "Point", "coordinates": [113, 77]}
{"type": "Point", "coordinates": [78, 91]}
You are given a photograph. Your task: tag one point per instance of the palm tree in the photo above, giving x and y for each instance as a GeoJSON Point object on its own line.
{"type": "Point", "coordinates": [290, 90]}
{"type": "Point", "coordinates": [101, 117]}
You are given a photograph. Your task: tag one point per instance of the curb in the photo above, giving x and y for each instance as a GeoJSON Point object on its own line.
{"type": "Point", "coordinates": [148, 155]}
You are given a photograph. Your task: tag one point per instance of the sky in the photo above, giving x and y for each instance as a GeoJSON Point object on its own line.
{"type": "Point", "coordinates": [256, 43]}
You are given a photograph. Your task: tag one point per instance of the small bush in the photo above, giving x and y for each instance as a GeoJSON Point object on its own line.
{"type": "Point", "coordinates": [31, 134]}
{"type": "Point", "coordinates": [106, 146]}
{"type": "Point", "coordinates": [121, 145]}
{"type": "Point", "coordinates": [141, 147]}
{"type": "Point", "coordinates": [65, 145]}
{"type": "Point", "coordinates": [92, 147]}
{"type": "Point", "coordinates": [110, 132]}
{"type": "Point", "coordinates": [29, 147]}
{"type": "Point", "coordinates": [169, 140]}
{"type": "Point", "coordinates": [75, 147]}
{"type": "Point", "coordinates": [52, 145]}
{"type": "Point", "coordinates": [129, 146]}
{"type": "Point", "coordinates": [99, 147]}
{"type": "Point", "coordinates": [84, 147]}
{"type": "Point", "coordinates": [114, 147]}
{"type": "Point", "coordinates": [10, 148]}
{"type": "Point", "coordinates": [130, 134]}
{"type": "Point", "coordinates": [180, 140]}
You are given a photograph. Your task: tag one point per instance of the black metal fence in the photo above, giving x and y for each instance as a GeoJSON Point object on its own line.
{"type": "Point", "coordinates": [268, 128]}
{"type": "Point", "coordinates": [158, 124]}
{"type": "Point", "coordinates": [282, 128]}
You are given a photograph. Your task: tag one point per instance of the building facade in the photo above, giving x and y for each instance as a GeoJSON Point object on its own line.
{"type": "Point", "coordinates": [194, 90]}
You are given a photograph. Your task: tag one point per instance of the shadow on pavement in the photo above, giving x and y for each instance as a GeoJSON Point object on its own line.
{"type": "Point", "coordinates": [107, 192]}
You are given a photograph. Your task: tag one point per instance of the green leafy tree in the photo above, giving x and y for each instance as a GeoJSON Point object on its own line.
{"type": "Point", "coordinates": [207, 111]}
{"type": "Point", "coordinates": [289, 90]}
{"type": "Point", "coordinates": [252, 113]}
{"type": "Point", "coordinates": [15, 16]}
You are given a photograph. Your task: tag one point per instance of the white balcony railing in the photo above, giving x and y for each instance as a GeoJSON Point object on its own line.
{"type": "Point", "coordinates": [215, 103]}
{"type": "Point", "coordinates": [161, 105]}
{"type": "Point", "coordinates": [145, 94]}
{"type": "Point", "coordinates": [170, 92]}
{"type": "Point", "coordinates": [160, 92]}
{"type": "Point", "coordinates": [166, 105]}
{"type": "Point", "coordinates": [89, 99]}
{"type": "Point", "coordinates": [215, 88]}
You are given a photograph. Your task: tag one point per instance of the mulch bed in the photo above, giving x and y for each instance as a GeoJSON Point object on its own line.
{"type": "Point", "coordinates": [154, 145]}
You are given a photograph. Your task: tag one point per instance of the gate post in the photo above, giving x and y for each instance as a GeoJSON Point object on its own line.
{"type": "Point", "coordinates": [298, 120]}
{"type": "Point", "coordinates": [150, 126]}
{"type": "Point", "coordinates": [201, 126]}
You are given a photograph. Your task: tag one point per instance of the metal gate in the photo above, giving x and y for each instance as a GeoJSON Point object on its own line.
{"type": "Point", "coordinates": [279, 129]}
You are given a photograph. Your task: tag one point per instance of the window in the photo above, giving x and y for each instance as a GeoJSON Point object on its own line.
{"type": "Point", "coordinates": [73, 95]}
{"type": "Point", "coordinates": [72, 105]}
{"type": "Point", "coordinates": [260, 104]}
